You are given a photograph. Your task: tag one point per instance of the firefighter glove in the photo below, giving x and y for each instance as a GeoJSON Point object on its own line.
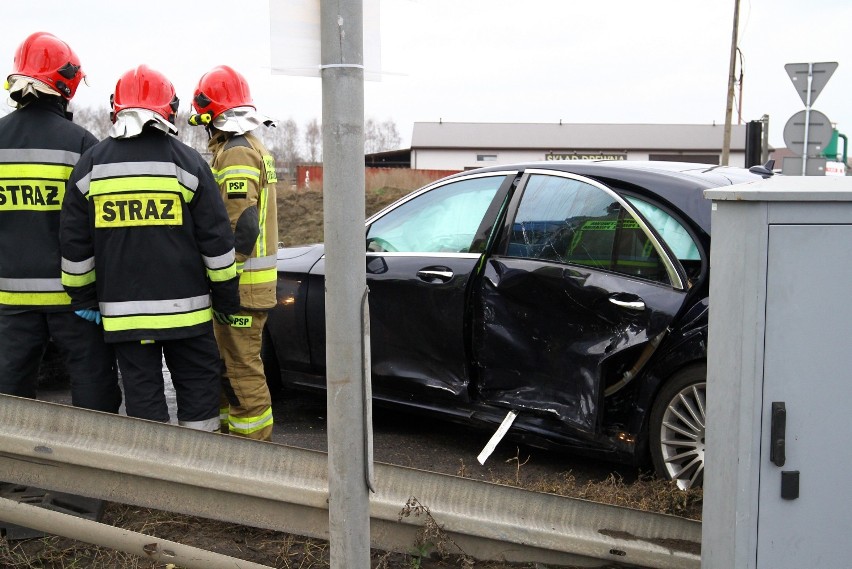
{"type": "Point", "coordinates": [90, 314]}
{"type": "Point", "coordinates": [222, 318]}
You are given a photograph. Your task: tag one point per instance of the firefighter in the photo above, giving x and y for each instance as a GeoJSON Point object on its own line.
{"type": "Point", "coordinates": [145, 235]}
{"type": "Point", "coordinates": [38, 147]}
{"type": "Point", "coordinates": [245, 172]}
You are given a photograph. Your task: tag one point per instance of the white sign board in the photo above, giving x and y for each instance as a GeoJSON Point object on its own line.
{"type": "Point", "coordinates": [833, 168]}
{"type": "Point", "coordinates": [294, 38]}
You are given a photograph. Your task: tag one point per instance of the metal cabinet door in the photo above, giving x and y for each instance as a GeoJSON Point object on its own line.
{"type": "Point", "coordinates": [808, 358]}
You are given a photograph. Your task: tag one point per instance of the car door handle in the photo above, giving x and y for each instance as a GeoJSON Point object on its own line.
{"type": "Point", "coordinates": [435, 275]}
{"type": "Point", "coordinates": [628, 304]}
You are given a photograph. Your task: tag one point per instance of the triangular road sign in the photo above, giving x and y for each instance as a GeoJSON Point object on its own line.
{"type": "Point", "coordinates": [798, 73]}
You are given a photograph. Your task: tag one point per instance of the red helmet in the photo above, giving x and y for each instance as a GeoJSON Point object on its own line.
{"type": "Point", "coordinates": [219, 90]}
{"type": "Point", "coordinates": [47, 58]}
{"type": "Point", "coordinates": [145, 88]}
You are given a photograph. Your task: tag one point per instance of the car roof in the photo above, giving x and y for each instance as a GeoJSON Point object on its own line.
{"type": "Point", "coordinates": [680, 184]}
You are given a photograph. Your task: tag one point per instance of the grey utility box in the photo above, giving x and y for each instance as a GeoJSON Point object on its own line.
{"type": "Point", "coordinates": [779, 388]}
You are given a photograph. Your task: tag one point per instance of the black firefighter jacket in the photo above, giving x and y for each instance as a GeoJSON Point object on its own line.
{"type": "Point", "coordinates": [38, 148]}
{"type": "Point", "coordinates": [146, 235]}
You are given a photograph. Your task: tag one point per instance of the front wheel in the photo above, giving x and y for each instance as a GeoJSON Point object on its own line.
{"type": "Point", "coordinates": [677, 428]}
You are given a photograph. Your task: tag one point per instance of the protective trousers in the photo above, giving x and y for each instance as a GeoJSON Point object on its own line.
{"type": "Point", "coordinates": [90, 362]}
{"type": "Point", "coordinates": [194, 366]}
{"type": "Point", "coordinates": [246, 403]}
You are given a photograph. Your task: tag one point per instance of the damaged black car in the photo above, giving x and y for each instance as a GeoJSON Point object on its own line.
{"type": "Point", "coordinates": [571, 294]}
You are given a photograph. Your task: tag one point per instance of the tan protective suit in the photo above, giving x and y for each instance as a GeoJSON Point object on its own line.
{"type": "Point", "coordinates": [245, 171]}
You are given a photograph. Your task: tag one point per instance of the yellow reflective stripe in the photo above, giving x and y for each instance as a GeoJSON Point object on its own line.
{"type": "Point", "coordinates": [237, 171]}
{"type": "Point", "coordinates": [39, 171]}
{"type": "Point", "coordinates": [260, 247]}
{"type": "Point", "coordinates": [34, 298]}
{"type": "Point", "coordinates": [69, 279]}
{"type": "Point", "coordinates": [156, 322]}
{"type": "Point", "coordinates": [258, 277]}
{"type": "Point", "coordinates": [220, 275]}
{"type": "Point", "coordinates": [131, 184]}
{"type": "Point", "coordinates": [247, 425]}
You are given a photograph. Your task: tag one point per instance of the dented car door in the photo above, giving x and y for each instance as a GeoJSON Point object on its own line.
{"type": "Point", "coordinates": [421, 256]}
{"type": "Point", "coordinates": [577, 281]}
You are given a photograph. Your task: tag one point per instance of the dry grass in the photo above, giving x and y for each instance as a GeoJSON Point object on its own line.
{"type": "Point", "coordinates": [300, 215]}
{"type": "Point", "coordinates": [432, 549]}
{"type": "Point", "coordinates": [274, 549]}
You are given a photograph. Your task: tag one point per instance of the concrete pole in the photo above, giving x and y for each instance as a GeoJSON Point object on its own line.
{"type": "Point", "coordinates": [732, 69]}
{"type": "Point", "coordinates": [345, 281]}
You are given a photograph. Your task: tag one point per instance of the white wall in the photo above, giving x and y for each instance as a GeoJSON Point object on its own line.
{"type": "Point", "coordinates": [450, 159]}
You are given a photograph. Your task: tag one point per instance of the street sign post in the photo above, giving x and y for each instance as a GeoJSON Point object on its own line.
{"type": "Point", "coordinates": [809, 80]}
{"type": "Point", "coordinates": [819, 133]}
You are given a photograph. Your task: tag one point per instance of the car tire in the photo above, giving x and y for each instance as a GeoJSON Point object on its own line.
{"type": "Point", "coordinates": [677, 428]}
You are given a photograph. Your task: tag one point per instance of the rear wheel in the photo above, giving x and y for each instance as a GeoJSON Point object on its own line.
{"type": "Point", "coordinates": [677, 428]}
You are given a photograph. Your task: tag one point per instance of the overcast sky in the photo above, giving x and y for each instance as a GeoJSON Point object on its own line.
{"type": "Point", "coordinates": [601, 61]}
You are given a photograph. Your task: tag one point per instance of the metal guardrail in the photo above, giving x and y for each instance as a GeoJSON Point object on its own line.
{"type": "Point", "coordinates": [89, 531]}
{"type": "Point", "coordinates": [285, 488]}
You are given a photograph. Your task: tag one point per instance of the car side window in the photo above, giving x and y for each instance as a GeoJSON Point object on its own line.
{"type": "Point", "coordinates": [670, 229]}
{"type": "Point", "coordinates": [569, 221]}
{"type": "Point", "coordinates": [444, 219]}
{"type": "Point", "coordinates": [675, 235]}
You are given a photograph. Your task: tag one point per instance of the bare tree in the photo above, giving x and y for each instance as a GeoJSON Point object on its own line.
{"type": "Point", "coordinates": [194, 136]}
{"type": "Point", "coordinates": [94, 119]}
{"type": "Point", "coordinates": [313, 141]}
{"type": "Point", "coordinates": [97, 121]}
{"type": "Point", "coordinates": [286, 147]}
{"type": "Point", "coordinates": [380, 136]}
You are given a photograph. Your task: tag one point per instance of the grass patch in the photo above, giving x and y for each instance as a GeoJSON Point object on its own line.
{"type": "Point", "coordinates": [300, 213]}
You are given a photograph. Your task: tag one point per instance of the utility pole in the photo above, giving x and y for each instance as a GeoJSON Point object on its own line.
{"type": "Point", "coordinates": [740, 98]}
{"type": "Point", "coordinates": [729, 107]}
{"type": "Point", "coordinates": [342, 70]}
{"type": "Point", "coordinates": [764, 152]}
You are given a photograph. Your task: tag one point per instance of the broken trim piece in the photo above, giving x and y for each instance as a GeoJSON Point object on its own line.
{"type": "Point", "coordinates": [497, 437]}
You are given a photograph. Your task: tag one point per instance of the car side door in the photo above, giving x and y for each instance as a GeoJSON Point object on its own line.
{"type": "Point", "coordinates": [577, 287]}
{"type": "Point", "coordinates": [420, 258]}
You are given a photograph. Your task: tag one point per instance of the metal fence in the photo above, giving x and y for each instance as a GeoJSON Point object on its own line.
{"type": "Point", "coordinates": [284, 488]}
